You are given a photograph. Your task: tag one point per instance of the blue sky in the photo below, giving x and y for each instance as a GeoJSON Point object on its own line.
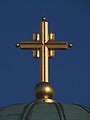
{"type": "Point", "coordinates": [69, 71]}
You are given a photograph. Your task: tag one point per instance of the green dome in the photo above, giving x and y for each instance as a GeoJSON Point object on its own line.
{"type": "Point", "coordinates": [45, 111]}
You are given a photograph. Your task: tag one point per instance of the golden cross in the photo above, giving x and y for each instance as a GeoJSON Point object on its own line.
{"type": "Point", "coordinates": [44, 47]}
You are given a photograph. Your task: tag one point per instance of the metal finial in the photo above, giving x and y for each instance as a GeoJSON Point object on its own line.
{"type": "Point", "coordinates": [70, 45]}
{"type": "Point", "coordinates": [17, 45]}
{"type": "Point", "coordinates": [44, 47]}
{"type": "Point", "coordinates": [43, 19]}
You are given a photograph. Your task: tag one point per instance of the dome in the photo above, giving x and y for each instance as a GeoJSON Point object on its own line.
{"type": "Point", "coordinates": [45, 111]}
{"type": "Point", "coordinates": [44, 107]}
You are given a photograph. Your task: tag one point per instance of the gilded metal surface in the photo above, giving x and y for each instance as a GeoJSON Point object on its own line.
{"type": "Point", "coordinates": [36, 37]}
{"type": "Point", "coordinates": [43, 46]}
{"type": "Point", "coordinates": [44, 52]}
{"type": "Point", "coordinates": [44, 90]}
{"type": "Point", "coordinates": [45, 100]}
{"type": "Point", "coordinates": [51, 52]}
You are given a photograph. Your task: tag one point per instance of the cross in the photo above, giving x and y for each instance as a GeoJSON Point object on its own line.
{"type": "Point", "coordinates": [43, 47]}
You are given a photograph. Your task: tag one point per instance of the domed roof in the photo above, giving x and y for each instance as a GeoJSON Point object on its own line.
{"type": "Point", "coordinates": [44, 108]}
{"type": "Point", "coordinates": [45, 111]}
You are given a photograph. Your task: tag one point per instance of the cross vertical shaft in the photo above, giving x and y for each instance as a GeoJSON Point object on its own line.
{"type": "Point", "coordinates": [44, 52]}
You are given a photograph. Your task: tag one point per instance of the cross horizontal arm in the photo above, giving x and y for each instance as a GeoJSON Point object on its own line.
{"type": "Point", "coordinates": [58, 45]}
{"type": "Point", "coordinates": [29, 45]}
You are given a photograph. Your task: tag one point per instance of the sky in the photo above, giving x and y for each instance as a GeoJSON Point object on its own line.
{"type": "Point", "coordinates": [69, 71]}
